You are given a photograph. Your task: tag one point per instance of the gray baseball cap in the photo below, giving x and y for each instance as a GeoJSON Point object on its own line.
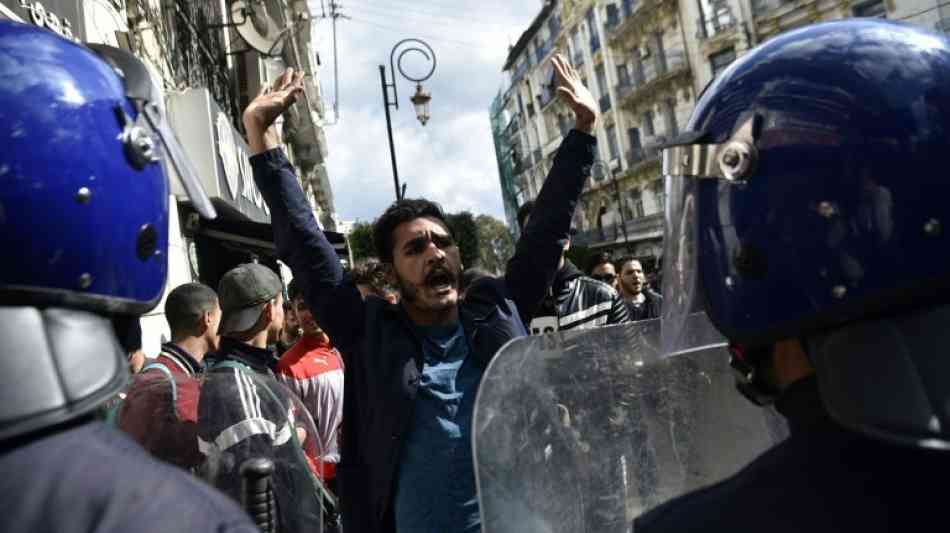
{"type": "Point", "coordinates": [242, 293]}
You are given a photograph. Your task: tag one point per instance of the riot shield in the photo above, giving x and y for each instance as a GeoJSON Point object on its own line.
{"type": "Point", "coordinates": [242, 432]}
{"type": "Point", "coordinates": [583, 431]}
{"type": "Point", "coordinates": [159, 410]}
{"type": "Point", "coordinates": [245, 416]}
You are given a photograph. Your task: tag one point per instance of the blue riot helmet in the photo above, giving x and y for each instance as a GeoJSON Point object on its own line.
{"type": "Point", "coordinates": [807, 201]}
{"type": "Point", "coordinates": [83, 219]}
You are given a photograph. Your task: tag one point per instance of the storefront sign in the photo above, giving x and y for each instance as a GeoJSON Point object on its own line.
{"type": "Point", "coordinates": [218, 152]}
{"type": "Point", "coordinates": [61, 16]}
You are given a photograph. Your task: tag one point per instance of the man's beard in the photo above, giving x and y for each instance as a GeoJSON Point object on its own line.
{"type": "Point", "coordinates": [441, 274]}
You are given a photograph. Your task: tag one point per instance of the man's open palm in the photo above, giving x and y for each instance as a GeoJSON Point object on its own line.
{"type": "Point", "coordinates": [570, 88]}
{"type": "Point", "coordinates": [273, 101]}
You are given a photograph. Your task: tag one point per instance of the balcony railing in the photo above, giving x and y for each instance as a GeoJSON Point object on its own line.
{"type": "Point", "coordinates": [651, 71]}
{"type": "Point", "coordinates": [761, 7]}
{"type": "Point", "coordinates": [718, 21]}
{"type": "Point", "coordinates": [605, 103]}
{"type": "Point", "coordinates": [640, 154]}
{"type": "Point", "coordinates": [646, 227]}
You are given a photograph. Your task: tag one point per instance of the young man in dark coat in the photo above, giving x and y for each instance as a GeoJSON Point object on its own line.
{"type": "Point", "coordinates": [412, 369]}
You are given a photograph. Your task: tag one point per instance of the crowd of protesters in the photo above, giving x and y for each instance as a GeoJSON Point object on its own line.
{"type": "Point", "coordinates": [385, 358]}
{"type": "Point", "coordinates": [358, 388]}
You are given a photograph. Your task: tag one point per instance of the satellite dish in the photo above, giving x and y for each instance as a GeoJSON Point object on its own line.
{"type": "Point", "coordinates": [257, 28]}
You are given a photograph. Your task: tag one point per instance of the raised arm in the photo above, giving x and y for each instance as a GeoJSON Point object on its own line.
{"type": "Point", "coordinates": [538, 253]}
{"type": "Point", "coordinates": [300, 242]}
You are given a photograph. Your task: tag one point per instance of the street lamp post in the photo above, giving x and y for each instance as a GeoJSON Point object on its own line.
{"type": "Point", "coordinates": [420, 100]}
{"type": "Point", "coordinates": [603, 168]}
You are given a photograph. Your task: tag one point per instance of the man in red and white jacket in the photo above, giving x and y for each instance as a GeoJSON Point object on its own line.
{"type": "Point", "coordinates": [313, 369]}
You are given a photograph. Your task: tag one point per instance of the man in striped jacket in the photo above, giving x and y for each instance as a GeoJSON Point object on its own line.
{"type": "Point", "coordinates": [574, 300]}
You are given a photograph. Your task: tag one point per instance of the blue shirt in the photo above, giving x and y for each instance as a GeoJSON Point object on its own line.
{"type": "Point", "coordinates": [435, 491]}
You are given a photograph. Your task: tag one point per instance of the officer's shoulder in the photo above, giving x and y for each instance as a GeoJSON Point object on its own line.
{"type": "Point", "coordinates": [735, 503]}
{"type": "Point", "coordinates": [108, 474]}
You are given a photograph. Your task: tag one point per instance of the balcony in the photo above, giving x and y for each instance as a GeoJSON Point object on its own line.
{"type": "Point", "coordinates": [656, 78]}
{"type": "Point", "coordinates": [605, 103]}
{"type": "Point", "coordinates": [638, 20]}
{"type": "Point", "coordinates": [716, 23]}
{"type": "Point", "coordinates": [643, 228]}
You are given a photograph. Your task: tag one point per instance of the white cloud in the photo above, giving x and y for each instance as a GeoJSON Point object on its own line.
{"type": "Point", "coordinates": [452, 159]}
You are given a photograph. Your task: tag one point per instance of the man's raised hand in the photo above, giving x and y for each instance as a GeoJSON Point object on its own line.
{"type": "Point", "coordinates": [570, 88]}
{"type": "Point", "coordinates": [272, 102]}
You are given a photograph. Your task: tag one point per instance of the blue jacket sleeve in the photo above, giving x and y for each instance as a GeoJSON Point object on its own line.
{"type": "Point", "coordinates": [532, 268]}
{"type": "Point", "coordinates": [305, 249]}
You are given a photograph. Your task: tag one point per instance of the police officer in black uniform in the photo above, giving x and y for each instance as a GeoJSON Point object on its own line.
{"type": "Point", "coordinates": [807, 206]}
{"type": "Point", "coordinates": [84, 229]}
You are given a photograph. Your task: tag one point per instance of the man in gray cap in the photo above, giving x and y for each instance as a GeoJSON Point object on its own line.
{"type": "Point", "coordinates": [252, 307]}
{"type": "Point", "coordinates": [243, 411]}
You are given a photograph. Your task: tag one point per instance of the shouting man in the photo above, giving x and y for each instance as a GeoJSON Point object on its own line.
{"type": "Point", "coordinates": [413, 368]}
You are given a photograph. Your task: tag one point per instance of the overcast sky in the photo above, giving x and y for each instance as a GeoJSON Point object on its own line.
{"type": "Point", "coordinates": [452, 159]}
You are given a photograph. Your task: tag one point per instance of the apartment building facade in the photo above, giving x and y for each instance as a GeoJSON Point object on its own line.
{"type": "Point", "coordinates": [646, 62]}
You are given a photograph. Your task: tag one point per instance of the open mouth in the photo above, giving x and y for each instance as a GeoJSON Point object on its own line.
{"type": "Point", "coordinates": [440, 280]}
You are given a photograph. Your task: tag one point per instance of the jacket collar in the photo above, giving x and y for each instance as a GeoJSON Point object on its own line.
{"type": "Point", "coordinates": [259, 359]}
{"type": "Point", "coordinates": [188, 364]}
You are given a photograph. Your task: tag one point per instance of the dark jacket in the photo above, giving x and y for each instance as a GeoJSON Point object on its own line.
{"type": "Point", "coordinates": [823, 478]}
{"type": "Point", "coordinates": [244, 413]}
{"type": "Point", "coordinates": [581, 302]}
{"type": "Point", "coordinates": [382, 353]}
{"type": "Point", "coordinates": [651, 307]}
{"type": "Point", "coordinates": [90, 477]}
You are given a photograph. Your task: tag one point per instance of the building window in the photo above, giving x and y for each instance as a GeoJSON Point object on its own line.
{"type": "Point", "coordinates": [623, 76]}
{"type": "Point", "coordinates": [638, 76]}
{"type": "Point", "coordinates": [669, 117]}
{"type": "Point", "coordinates": [872, 8]}
{"type": "Point", "coordinates": [659, 193]}
{"type": "Point", "coordinates": [635, 202]}
{"type": "Point", "coordinates": [660, 56]}
{"type": "Point", "coordinates": [601, 75]}
{"type": "Point", "coordinates": [592, 28]}
{"type": "Point", "coordinates": [612, 146]}
{"type": "Point", "coordinates": [722, 59]}
{"type": "Point", "coordinates": [648, 128]}
{"type": "Point", "coordinates": [578, 58]}
{"type": "Point", "coordinates": [716, 17]}
{"type": "Point", "coordinates": [613, 16]}
{"type": "Point", "coordinates": [636, 147]}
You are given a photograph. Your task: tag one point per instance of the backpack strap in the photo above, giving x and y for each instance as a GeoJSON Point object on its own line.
{"type": "Point", "coordinates": [112, 413]}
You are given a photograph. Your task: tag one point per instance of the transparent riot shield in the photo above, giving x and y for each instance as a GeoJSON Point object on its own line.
{"type": "Point", "coordinates": [159, 410]}
{"type": "Point", "coordinates": [242, 432]}
{"type": "Point", "coordinates": [583, 431]}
